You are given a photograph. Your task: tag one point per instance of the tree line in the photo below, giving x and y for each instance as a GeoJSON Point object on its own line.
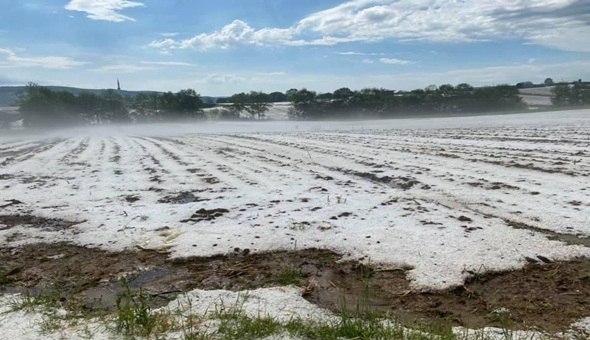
{"type": "Point", "coordinates": [577, 94]}
{"type": "Point", "coordinates": [383, 103]}
{"type": "Point", "coordinates": [40, 106]}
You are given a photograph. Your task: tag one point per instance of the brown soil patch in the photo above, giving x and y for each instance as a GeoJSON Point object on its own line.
{"type": "Point", "coordinates": [182, 198]}
{"type": "Point", "coordinates": [11, 203]}
{"type": "Point", "coordinates": [548, 297]}
{"type": "Point", "coordinates": [545, 296]}
{"type": "Point", "coordinates": [206, 215]}
{"type": "Point", "coordinates": [10, 221]}
{"type": "Point", "coordinates": [399, 182]}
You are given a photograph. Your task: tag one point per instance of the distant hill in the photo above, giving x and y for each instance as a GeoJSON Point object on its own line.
{"type": "Point", "coordinates": [9, 94]}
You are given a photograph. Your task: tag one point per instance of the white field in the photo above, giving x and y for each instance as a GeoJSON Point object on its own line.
{"type": "Point", "coordinates": [288, 189]}
{"type": "Point", "coordinates": [534, 100]}
{"type": "Point", "coordinates": [277, 111]}
{"type": "Point", "coordinates": [537, 96]}
{"type": "Point", "coordinates": [537, 91]}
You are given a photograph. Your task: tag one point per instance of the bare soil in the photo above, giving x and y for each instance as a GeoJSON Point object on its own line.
{"type": "Point", "coordinates": [10, 221]}
{"type": "Point", "coordinates": [547, 296]}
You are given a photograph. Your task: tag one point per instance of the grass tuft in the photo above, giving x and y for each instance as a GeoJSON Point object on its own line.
{"type": "Point", "coordinates": [290, 275]}
{"type": "Point", "coordinates": [134, 316]}
{"type": "Point", "coordinates": [3, 278]}
{"type": "Point", "coordinates": [33, 301]}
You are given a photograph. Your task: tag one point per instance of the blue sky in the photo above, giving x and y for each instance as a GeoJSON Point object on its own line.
{"type": "Point", "coordinates": [227, 46]}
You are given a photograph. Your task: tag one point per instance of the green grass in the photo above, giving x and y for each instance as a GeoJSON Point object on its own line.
{"type": "Point", "coordinates": [367, 326]}
{"type": "Point", "coordinates": [244, 327]}
{"type": "Point", "coordinates": [57, 311]}
{"type": "Point", "coordinates": [3, 278]}
{"type": "Point", "coordinates": [134, 318]}
{"type": "Point", "coordinates": [289, 275]}
{"type": "Point", "coordinates": [134, 315]}
{"type": "Point", "coordinates": [35, 301]}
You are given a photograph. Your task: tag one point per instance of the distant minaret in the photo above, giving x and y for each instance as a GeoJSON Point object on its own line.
{"type": "Point", "coordinates": [118, 85]}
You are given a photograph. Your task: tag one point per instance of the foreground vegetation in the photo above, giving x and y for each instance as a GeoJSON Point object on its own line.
{"type": "Point", "coordinates": [134, 318]}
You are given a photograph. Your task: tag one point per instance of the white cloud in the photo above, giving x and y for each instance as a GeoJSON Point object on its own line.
{"type": "Point", "coordinates": [4, 80]}
{"type": "Point", "coordinates": [9, 58]}
{"type": "Point", "coordinates": [368, 61]}
{"type": "Point", "coordinates": [560, 24]}
{"type": "Point", "coordinates": [236, 33]}
{"type": "Point", "coordinates": [393, 61]}
{"type": "Point", "coordinates": [272, 74]}
{"type": "Point", "coordinates": [224, 79]}
{"type": "Point", "coordinates": [358, 53]}
{"type": "Point", "coordinates": [167, 63]}
{"type": "Point", "coordinates": [107, 10]}
{"type": "Point", "coordinates": [166, 43]}
{"type": "Point", "coordinates": [171, 34]}
{"type": "Point", "coordinates": [123, 68]}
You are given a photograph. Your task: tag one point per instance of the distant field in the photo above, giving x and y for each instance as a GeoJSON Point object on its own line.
{"type": "Point", "coordinates": [277, 111]}
{"type": "Point", "coordinates": [537, 96]}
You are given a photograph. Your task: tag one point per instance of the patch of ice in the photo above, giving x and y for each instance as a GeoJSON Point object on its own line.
{"type": "Point", "coordinates": [491, 333]}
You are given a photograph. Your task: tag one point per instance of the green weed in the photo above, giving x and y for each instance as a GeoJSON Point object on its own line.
{"type": "Point", "coordinates": [33, 301]}
{"type": "Point", "coordinates": [134, 315]}
{"type": "Point", "coordinates": [289, 275]}
{"type": "Point", "coordinates": [3, 278]}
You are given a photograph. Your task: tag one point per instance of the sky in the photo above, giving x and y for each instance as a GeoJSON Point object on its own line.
{"type": "Point", "coordinates": [227, 46]}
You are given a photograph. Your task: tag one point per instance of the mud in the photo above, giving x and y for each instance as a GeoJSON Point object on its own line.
{"type": "Point", "coordinates": [11, 203]}
{"type": "Point", "coordinates": [11, 221]}
{"type": "Point", "coordinates": [399, 182]}
{"type": "Point", "coordinates": [182, 198]}
{"type": "Point", "coordinates": [547, 296]}
{"type": "Point", "coordinates": [206, 215]}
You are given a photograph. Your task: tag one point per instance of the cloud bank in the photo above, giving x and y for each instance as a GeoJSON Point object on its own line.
{"type": "Point", "coordinates": [106, 10]}
{"type": "Point", "coordinates": [559, 24]}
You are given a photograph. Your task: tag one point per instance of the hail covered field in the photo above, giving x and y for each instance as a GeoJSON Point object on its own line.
{"type": "Point", "coordinates": [444, 201]}
{"type": "Point", "coordinates": [443, 198]}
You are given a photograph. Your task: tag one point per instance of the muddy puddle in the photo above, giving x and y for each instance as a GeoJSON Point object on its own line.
{"type": "Point", "coordinates": [547, 296]}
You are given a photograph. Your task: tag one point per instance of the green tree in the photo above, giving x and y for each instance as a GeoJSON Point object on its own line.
{"type": "Point", "coordinates": [290, 94]}
{"type": "Point", "coordinates": [88, 107]}
{"type": "Point", "coordinates": [239, 101]}
{"type": "Point", "coordinates": [277, 97]}
{"type": "Point", "coordinates": [257, 104]}
{"type": "Point", "coordinates": [114, 108]}
{"type": "Point", "coordinates": [144, 107]}
{"type": "Point", "coordinates": [189, 104]}
{"type": "Point", "coordinates": [561, 94]}
{"type": "Point", "coordinates": [580, 94]}
{"type": "Point", "coordinates": [168, 105]}
{"type": "Point", "coordinates": [39, 106]}
{"type": "Point", "coordinates": [305, 105]}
